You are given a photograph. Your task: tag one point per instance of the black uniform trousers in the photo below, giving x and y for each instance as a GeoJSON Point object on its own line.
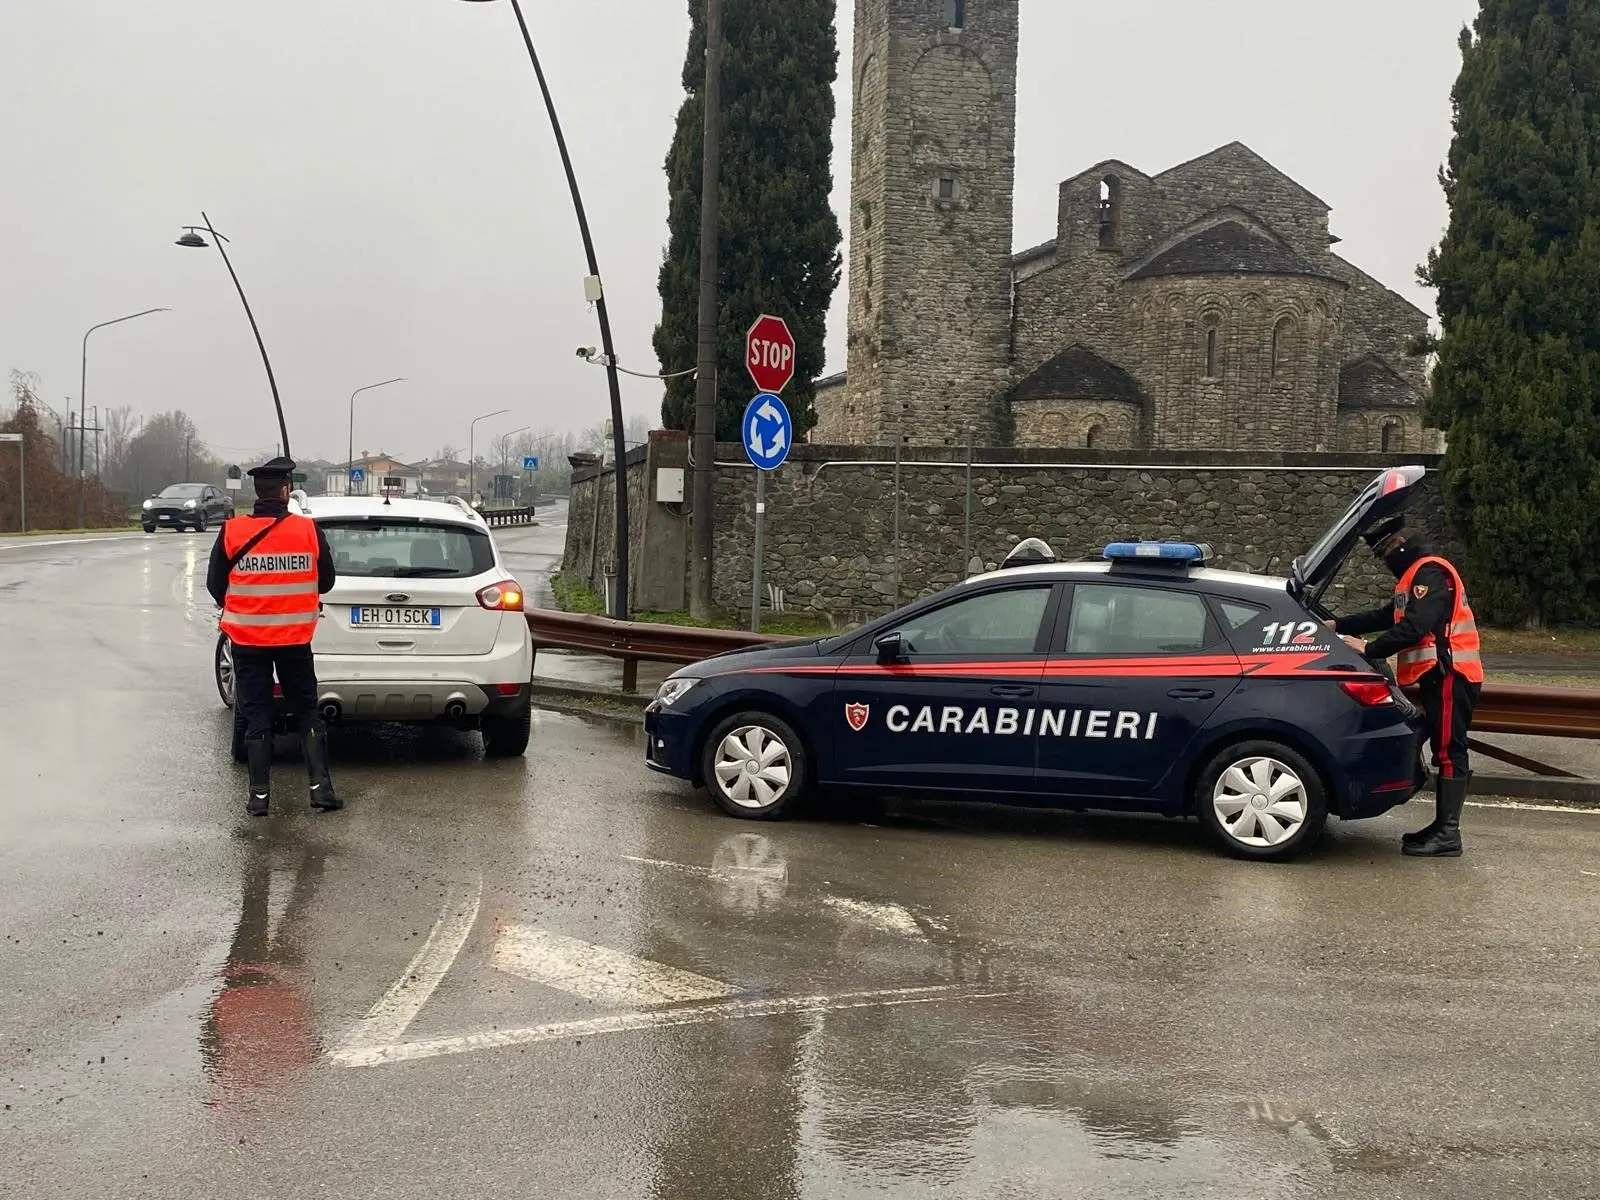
{"type": "Point", "coordinates": [253, 668]}
{"type": "Point", "coordinates": [1448, 701]}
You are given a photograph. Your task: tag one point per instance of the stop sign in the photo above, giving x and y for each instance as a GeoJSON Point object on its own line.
{"type": "Point", "coordinates": [769, 353]}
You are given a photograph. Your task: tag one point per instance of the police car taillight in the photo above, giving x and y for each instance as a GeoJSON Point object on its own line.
{"type": "Point", "coordinates": [1369, 693]}
{"type": "Point", "coordinates": [505, 596]}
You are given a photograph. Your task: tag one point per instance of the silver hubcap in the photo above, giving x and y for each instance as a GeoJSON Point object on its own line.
{"type": "Point", "coordinates": [225, 669]}
{"type": "Point", "coordinates": [1260, 802]}
{"type": "Point", "coordinates": [753, 767]}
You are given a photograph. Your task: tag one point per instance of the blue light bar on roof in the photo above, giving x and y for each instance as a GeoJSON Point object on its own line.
{"type": "Point", "coordinates": [1167, 553]}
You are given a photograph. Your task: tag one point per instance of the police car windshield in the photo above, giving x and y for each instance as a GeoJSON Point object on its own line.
{"type": "Point", "coordinates": [394, 548]}
{"type": "Point", "coordinates": [183, 491]}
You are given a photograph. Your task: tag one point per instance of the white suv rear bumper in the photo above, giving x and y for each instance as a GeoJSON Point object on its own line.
{"type": "Point", "coordinates": [422, 688]}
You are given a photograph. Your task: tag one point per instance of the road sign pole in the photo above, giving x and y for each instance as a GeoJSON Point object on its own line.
{"type": "Point", "coordinates": [755, 575]}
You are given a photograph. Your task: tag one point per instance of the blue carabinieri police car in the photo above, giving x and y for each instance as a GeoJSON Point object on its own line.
{"type": "Point", "coordinates": [1141, 681]}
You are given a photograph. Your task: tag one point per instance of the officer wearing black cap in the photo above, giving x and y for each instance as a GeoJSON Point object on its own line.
{"type": "Point", "coordinates": [268, 572]}
{"type": "Point", "coordinates": [1431, 633]}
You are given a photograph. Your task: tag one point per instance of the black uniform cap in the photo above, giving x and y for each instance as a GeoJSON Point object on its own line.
{"type": "Point", "coordinates": [278, 470]}
{"type": "Point", "coordinates": [1383, 531]}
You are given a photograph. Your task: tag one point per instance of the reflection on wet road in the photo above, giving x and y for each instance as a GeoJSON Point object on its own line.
{"type": "Point", "coordinates": [564, 977]}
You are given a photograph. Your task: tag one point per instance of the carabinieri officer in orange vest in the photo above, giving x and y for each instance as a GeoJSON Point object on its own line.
{"type": "Point", "coordinates": [1430, 631]}
{"type": "Point", "coordinates": [268, 571]}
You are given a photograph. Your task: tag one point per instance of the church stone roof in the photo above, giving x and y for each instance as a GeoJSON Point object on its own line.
{"type": "Point", "coordinates": [1079, 374]}
{"type": "Point", "coordinates": [1226, 249]}
{"type": "Point", "coordinates": [1373, 383]}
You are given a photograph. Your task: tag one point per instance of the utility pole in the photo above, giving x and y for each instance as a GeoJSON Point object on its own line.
{"type": "Point", "coordinates": [704, 444]}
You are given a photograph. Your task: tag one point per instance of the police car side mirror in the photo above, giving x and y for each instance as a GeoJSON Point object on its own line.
{"type": "Point", "coordinates": [891, 647]}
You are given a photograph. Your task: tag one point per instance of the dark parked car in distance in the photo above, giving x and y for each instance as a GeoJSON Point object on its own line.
{"type": "Point", "coordinates": [187, 506]}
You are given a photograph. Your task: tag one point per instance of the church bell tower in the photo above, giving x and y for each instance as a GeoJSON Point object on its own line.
{"type": "Point", "coordinates": [933, 170]}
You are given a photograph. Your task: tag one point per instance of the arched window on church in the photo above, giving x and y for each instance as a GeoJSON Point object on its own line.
{"type": "Point", "coordinates": [1393, 437]}
{"type": "Point", "coordinates": [1094, 437]}
{"type": "Point", "coordinates": [1109, 211]}
{"type": "Point", "coordinates": [1211, 345]}
{"type": "Point", "coordinates": [955, 12]}
{"type": "Point", "coordinates": [1283, 337]}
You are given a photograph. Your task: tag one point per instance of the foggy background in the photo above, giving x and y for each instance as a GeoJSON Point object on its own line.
{"type": "Point", "coordinates": [388, 177]}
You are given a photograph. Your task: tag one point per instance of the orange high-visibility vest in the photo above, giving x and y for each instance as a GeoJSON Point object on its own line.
{"type": "Point", "coordinates": [272, 595]}
{"type": "Point", "coordinates": [1465, 655]}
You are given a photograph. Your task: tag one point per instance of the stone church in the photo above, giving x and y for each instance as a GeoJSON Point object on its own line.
{"type": "Point", "coordinates": [1199, 308]}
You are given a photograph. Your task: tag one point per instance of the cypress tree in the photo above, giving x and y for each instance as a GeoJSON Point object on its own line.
{"type": "Point", "coordinates": [779, 239]}
{"type": "Point", "coordinates": [1518, 277]}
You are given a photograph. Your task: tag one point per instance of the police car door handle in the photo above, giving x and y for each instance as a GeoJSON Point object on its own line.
{"type": "Point", "coordinates": [1012, 691]}
{"type": "Point", "coordinates": [1191, 693]}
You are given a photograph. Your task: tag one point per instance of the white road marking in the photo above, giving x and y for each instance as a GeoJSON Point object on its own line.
{"type": "Point", "coordinates": [708, 872]}
{"type": "Point", "coordinates": [890, 918]}
{"type": "Point", "coordinates": [597, 973]}
{"type": "Point", "coordinates": [671, 866]}
{"type": "Point", "coordinates": [1525, 807]}
{"type": "Point", "coordinates": [19, 543]}
{"type": "Point", "coordinates": [371, 1056]}
{"type": "Point", "coordinates": [391, 1016]}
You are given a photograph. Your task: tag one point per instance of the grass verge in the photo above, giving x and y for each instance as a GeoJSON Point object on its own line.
{"type": "Point", "coordinates": [573, 596]}
{"type": "Point", "coordinates": [1541, 641]}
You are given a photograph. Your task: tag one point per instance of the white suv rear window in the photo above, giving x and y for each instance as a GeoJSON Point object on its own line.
{"type": "Point", "coordinates": [391, 548]}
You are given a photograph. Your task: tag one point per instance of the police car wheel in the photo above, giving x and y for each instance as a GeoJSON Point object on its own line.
{"type": "Point", "coordinates": [756, 767]}
{"type": "Point", "coordinates": [1262, 800]}
{"type": "Point", "coordinates": [224, 669]}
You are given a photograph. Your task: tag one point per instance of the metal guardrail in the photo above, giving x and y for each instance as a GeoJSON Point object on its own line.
{"type": "Point", "coordinates": [636, 641]}
{"type": "Point", "coordinates": [507, 516]}
{"type": "Point", "coordinates": [1503, 708]}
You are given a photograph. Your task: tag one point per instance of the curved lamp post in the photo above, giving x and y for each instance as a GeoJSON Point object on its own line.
{"type": "Point", "coordinates": [472, 451]}
{"type": "Point", "coordinates": [350, 461]}
{"type": "Point", "coordinates": [620, 608]}
{"type": "Point", "coordinates": [83, 392]}
{"type": "Point", "coordinates": [505, 442]}
{"type": "Point", "coordinates": [191, 238]}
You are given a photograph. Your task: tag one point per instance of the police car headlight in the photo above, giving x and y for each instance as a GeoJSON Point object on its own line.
{"type": "Point", "coordinates": [673, 690]}
{"type": "Point", "coordinates": [149, 503]}
{"type": "Point", "coordinates": [190, 504]}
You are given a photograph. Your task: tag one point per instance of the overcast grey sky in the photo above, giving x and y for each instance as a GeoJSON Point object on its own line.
{"type": "Point", "coordinates": [396, 205]}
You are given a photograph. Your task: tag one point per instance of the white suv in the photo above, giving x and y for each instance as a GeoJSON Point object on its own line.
{"type": "Point", "coordinates": [425, 623]}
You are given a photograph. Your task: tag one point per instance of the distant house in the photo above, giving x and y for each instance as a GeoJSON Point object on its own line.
{"type": "Point", "coordinates": [445, 477]}
{"type": "Point", "coordinates": [378, 472]}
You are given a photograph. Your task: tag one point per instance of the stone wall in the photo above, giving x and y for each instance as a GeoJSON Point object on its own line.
{"type": "Point", "coordinates": [830, 522]}
{"type": "Point", "coordinates": [1362, 432]}
{"type": "Point", "coordinates": [1100, 424]}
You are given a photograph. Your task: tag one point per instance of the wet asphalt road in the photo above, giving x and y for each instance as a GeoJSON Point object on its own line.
{"type": "Point", "coordinates": [437, 993]}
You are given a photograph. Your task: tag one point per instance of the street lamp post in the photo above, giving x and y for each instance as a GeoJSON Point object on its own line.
{"type": "Point", "coordinates": [350, 461]}
{"type": "Point", "coordinates": [620, 607]}
{"type": "Point", "coordinates": [503, 445]}
{"type": "Point", "coordinates": [192, 239]}
{"type": "Point", "coordinates": [472, 452]}
{"type": "Point", "coordinates": [83, 392]}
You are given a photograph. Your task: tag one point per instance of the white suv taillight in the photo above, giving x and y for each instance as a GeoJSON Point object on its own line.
{"type": "Point", "coordinates": [505, 596]}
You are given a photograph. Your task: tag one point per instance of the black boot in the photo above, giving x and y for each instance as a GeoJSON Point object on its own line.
{"type": "Point", "coordinates": [315, 745]}
{"type": "Point", "coordinates": [1411, 839]}
{"type": "Point", "coordinates": [258, 761]}
{"type": "Point", "coordinates": [1445, 839]}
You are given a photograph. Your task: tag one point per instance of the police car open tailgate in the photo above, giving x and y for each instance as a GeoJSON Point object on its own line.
{"type": "Point", "coordinates": [1388, 494]}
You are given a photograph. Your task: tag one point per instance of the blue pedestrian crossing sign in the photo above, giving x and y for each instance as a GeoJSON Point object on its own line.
{"type": "Point", "coordinates": [358, 475]}
{"type": "Point", "coordinates": [768, 432]}
{"type": "Point", "coordinates": [530, 463]}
